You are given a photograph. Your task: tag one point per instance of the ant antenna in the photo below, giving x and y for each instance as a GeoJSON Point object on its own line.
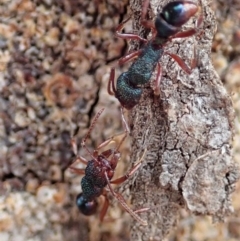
{"type": "Point", "coordinates": [83, 144]}
{"type": "Point", "coordinates": [126, 127]}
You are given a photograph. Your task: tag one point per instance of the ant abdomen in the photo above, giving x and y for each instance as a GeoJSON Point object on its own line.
{"type": "Point", "coordinates": [127, 94]}
{"type": "Point", "coordinates": [85, 206]}
{"type": "Point", "coordinates": [173, 16]}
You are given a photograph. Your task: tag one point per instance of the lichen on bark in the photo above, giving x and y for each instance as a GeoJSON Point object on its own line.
{"type": "Point", "coordinates": [187, 133]}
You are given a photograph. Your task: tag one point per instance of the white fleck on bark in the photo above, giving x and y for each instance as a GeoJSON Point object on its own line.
{"type": "Point", "coordinates": [187, 132]}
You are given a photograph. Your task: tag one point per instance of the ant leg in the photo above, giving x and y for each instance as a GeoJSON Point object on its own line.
{"type": "Point", "coordinates": [104, 208]}
{"type": "Point", "coordinates": [122, 201]}
{"type": "Point", "coordinates": [106, 205]}
{"type": "Point", "coordinates": [129, 57]}
{"type": "Point", "coordinates": [82, 160]}
{"type": "Point", "coordinates": [126, 129]}
{"type": "Point", "coordinates": [109, 140]}
{"type": "Point", "coordinates": [142, 210]}
{"type": "Point", "coordinates": [75, 152]}
{"type": "Point", "coordinates": [111, 87]}
{"type": "Point", "coordinates": [146, 23]}
{"type": "Point", "coordinates": [126, 176]}
{"type": "Point", "coordinates": [105, 143]}
{"type": "Point", "coordinates": [127, 35]}
{"type": "Point", "coordinates": [181, 63]}
{"type": "Point", "coordinates": [88, 133]}
{"type": "Point", "coordinates": [78, 159]}
{"type": "Point", "coordinates": [80, 171]}
{"type": "Point", "coordinates": [131, 172]}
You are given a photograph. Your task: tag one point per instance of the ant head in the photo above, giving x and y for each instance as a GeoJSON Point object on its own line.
{"type": "Point", "coordinates": [173, 16]}
{"type": "Point", "coordinates": [110, 158]}
{"type": "Point", "coordinates": [114, 160]}
{"type": "Point", "coordinates": [86, 207]}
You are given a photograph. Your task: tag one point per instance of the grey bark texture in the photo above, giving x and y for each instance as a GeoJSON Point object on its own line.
{"type": "Point", "coordinates": [187, 133]}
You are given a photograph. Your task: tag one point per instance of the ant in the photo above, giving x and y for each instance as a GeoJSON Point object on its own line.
{"type": "Point", "coordinates": [98, 174]}
{"type": "Point", "coordinates": [166, 27]}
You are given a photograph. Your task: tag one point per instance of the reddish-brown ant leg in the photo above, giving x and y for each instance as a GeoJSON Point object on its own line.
{"type": "Point", "coordinates": [74, 147]}
{"type": "Point", "coordinates": [146, 23]}
{"type": "Point", "coordinates": [131, 172]}
{"type": "Point", "coordinates": [83, 144]}
{"type": "Point", "coordinates": [142, 210]}
{"type": "Point", "coordinates": [126, 129]}
{"type": "Point", "coordinates": [106, 205]}
{"type": "Point", "coordinates": [128, 175]}
{"type": "Point", "coordinates": [119, 197]}
{"type": "Point", "coordinates": [125, 122]}
{"type": "Point", "coordinates": [181, 63]}
{"type": "Point", "coordinates": [129, 57]}
{"type": "Point", "coordinates": [111, 86]}
{"type": "Point", "coordinates": [109, 152]}
{"type": "Point", "coordinates": [75, 152]}
{"type": "Point", "coordinates": [80, 171]}
{"type": "Point", "coordinates": [82, 160]}
{"type": "Point", "coordinates": [130, 36]}
{"type": "Point", "coordinates": [122, 201]}
{"type": "Point", "coordinates": [79, 158]}
{"type": "Point", "coordinates": [184, 34]}
{"type": "Point", "coordinates": [104, 208]}
{"type": "Point", "coordinates": [105, 143]}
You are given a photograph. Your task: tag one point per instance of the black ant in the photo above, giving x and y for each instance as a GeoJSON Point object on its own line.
{"type": "Point", "coordinates": [98, 174]}
{"type": "Point", "coordinates": [167, 25]}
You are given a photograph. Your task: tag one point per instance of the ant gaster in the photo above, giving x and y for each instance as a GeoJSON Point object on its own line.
{"type": "Point", "coordinates": [167, 26]}
{"type": "Point", "coordinates": [98, 174]}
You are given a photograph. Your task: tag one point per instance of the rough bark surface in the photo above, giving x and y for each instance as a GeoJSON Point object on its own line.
{"type": "Point", "coordinates": [187, 133]}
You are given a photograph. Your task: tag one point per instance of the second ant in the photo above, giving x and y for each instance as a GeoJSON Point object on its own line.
{"type": "Point", "coordinates": [99, 172]}
{"type": "Point", "coordinates": [166, 27]}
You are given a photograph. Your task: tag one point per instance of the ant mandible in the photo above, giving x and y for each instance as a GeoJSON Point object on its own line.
{"type": "Point", "coordinates": [98, 174]}
{"type": "Point", "coordinates": [166, 27]}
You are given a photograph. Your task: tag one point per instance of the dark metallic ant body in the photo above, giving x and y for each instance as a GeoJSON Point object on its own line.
{"type": "Point", "coordinates": [128, 91]}
{"type": "Point", "coordinates": [166, 27]}
{"type": "Point", "coordinates": [94, 181]}
{"type": "Point", "coordinates": [98, 173]}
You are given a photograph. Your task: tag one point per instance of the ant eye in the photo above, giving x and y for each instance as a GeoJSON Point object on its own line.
{"type": "Point", "coordinates": [173, 12]}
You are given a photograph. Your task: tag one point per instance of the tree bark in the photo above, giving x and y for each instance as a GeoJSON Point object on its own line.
{"type": "Point", "coordinates": [187, 133]}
